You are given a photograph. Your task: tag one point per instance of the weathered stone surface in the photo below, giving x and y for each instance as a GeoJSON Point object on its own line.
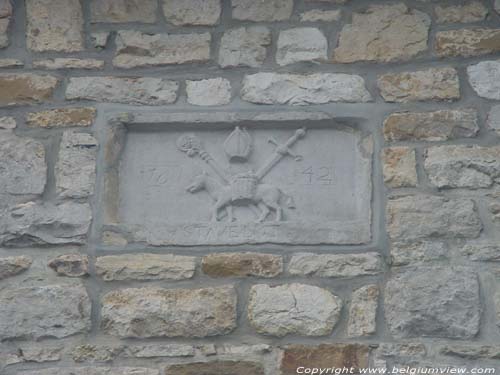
{"type": "Point", "coordinates": [157, 312]}
{"type": "Point", "coordinates": [7, 122]}
{"type": "Point", "coordinates": [92, 371]}
{"type": "Point", "coordinates": [430, 84]}
{"type": "Point", "coordinates": [425, 216]}
{"type": "Point", "coordinates": [417, 252]}
{"type": "Point", "coordinates": [135, 91]}
{"type": "Point", "coordinates": [383, 33]}
{"type": "Point", "coordinates": [192, 12]}
{"type": "Point", "coordinates": [207, 92]}
{"type": "Point", "coordinates": [470, 167]}
{"type": "Point", "coordinates": [68, 63]}
{"type": "Point", "coordinates": [481, 251]}
{"type": "Point", "coordinates": [40, 354]}
{"type": "Point", "coordinates": [318, 15]}
{"type": "Point", "coordinates": [469, 12]}
{"type": "Point", "coordinates": [242, 265]}
{"type": "Point", "coordinates": [484, 77]}
{"type": "Point", "coordinates": [5, 16]}
{"type": "Point", "coordinates": [439, 125]}
{"type": "Point", "coordinates": [23, 169]}
{"type": "Point", "coordinates": [10, 63]}
{"type": "Point", "coordinates": [11, 266]}
{"type": "Point", "coordinates": [54, 25]}
{"type": "Point", "coordinates": [433, 302]}
{"type": "Point", "coordinates": [301, 44]}
{"type": "Point", "coordinates": [245, 46]}
{"type": "Point", "coordinates": [62, 117]}
{"type": "Point", "coordinates": [145, 267]}
{"type": "Point", "coordinates": [76, 166]}
{"type": "Point", "coordinates": [412, 350]}
{"type": "Point", "coordinates": [300, 309]}
{"type": "Point", "coordinates": [467, 42]}
{"type": "Point", "coordinates": [41, 224]}
{"type": "Point", "coordinates": [496, 299]}
{"type": "Point", "coordinates": [496, 5]}
{"type": "Point", "coordinates": [363, 311]}
{"type": "Point", "coordinates": [494, 208]}
{"type": "Point", "coordinates": [399, 165]}
{"type": "Point", "coordinates": [216, 368]}
{"type": "Point", "coordinates": [471, 352]}
{"type": "Point", "coordinates": [324, 356]}
{"type": "Point", "coordinates": [123, 11]}
{"type": "Point", "coordinates": [160, 350]}
{"type": "Point", "coordinates": [269, 10]}
{"type": "Point", "coordinates": [335, 265]}
{"type": "Point", "coordinates": [494, 119]}
{"type": "Point", "coordinates": [100, 39]}
{"type": "Point", "coordinates": [94, 353]}
{"type": "Point", "coordinates": [244, 350]}
{"type": "Point", "coordinates": [26, 88]}
{"type": "Point", "coordinates": [44, 311]}
{"type": "Point", "coordinates": [136, 49]}
{"type": "Point", "coordinates": [72, 265]}
{"type": "Point", "coordinates": [296, 89]}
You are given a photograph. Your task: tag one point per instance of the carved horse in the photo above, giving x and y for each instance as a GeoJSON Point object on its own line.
{"type": "Point", "coordinates": [266, 198]}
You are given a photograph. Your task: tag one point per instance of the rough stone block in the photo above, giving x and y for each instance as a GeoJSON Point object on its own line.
{"type": "Point", "coordinates": [11, 266]}
{"type": "Point", "coordinates": [245, 46]}
{"type": "Point", "coordinates": [484, 77]}
{"type": "Point", "coordinates": [92, 370]}
{"type": "Point", "coordinates": [296, 89]}
{"type": "Point", "coordinates": [68, 63]}
{"type": "Point", "coordinates": [242, 265]}
{"type": "Point", "coordinates": [44, 311]}
{"type": "Point", "coordinates": [192, 12]}
{"type": "Point", "coordinates": [26, 88]}
{"type": "Point", "coordinates": [363, 311]}
{"type": "Point", "coordinates": [113, 11]}
{"type": "Point", "coordinates": [301, 44]}
{"type": "Point", "coordinates": [474, 11]}
{"type": "Point", "coordinates": [467, 42]}
{"type": "Point", "coordinates": [494, 119]}
{"type": "Point", "coordinates": [399, 166]}
{"type": "Point", "coordinates": [62, 117]}
{"type": "Point", "coordinates": [262, 11]}
{"type": "Point", "coordinates": [71, 265]}
{"type": "Point", "coordinates": [217, 368]}
{"type": "Point", "coordinates": [5, 17]}
{"type": "Point", "coordinates": [157, 312]}
{"type": "Point", "coordinates": [433, 302]}
{"type": "Point", "coordinates": [208, 92]}
{"type": "Point", "coordinates": [417, 252]}
{"type": "Point", "coordinates": [300, 309]}
{"type": "Point", "coordinates": [318, 15]}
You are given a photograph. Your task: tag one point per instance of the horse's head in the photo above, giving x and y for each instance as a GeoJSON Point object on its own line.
{"type": "Point", "coordinates": [198, 183]}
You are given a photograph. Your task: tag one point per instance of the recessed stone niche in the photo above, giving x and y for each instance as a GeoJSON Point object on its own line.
{"type": "Point", "coordinates": [235, 178]}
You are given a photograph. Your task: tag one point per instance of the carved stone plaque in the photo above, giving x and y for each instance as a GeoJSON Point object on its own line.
{"type": "Point", "coordinates": [236, 185]}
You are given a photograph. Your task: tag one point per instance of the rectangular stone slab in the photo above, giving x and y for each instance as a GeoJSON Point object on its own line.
{"type": "Point", "coordinates": [324, 194]}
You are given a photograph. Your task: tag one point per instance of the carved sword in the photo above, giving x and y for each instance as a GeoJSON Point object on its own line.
{"type": "Point", "coordinates": [280, 152]}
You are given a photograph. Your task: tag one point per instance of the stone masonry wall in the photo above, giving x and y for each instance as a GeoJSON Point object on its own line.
{"type": "Point", "coordinates": [77, 298]}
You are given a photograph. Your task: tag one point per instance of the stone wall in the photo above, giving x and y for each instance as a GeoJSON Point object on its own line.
{"type": "Point", "coordinates": [80, 296]}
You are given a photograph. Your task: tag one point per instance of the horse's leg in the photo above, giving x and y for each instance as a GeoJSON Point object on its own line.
{"type": "Point", "coordinates": [265, 212]}
{"type": "Point", "coordinates": [271, 197]}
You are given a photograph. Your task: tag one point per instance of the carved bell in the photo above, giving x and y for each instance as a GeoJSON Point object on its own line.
{"type": "Point", "coordinates": [238, 145]}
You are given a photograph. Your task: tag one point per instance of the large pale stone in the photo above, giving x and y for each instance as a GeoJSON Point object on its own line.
{"type": "Point", "coordinates": [383, 33]}
{"type": "Point", "coordinates": [145, 267]}
{"type": "Point", "coordinates": [423, 216]}
{"type": "Point", "coordinates": [26, 88]}
{"type": "Point", "coordinates": [123, 11]}
{"type": "Point", "coordinates": [23, 169]}
{"type": "Point", "coordinates": [135, 49]}
{"type": "Point", "coordinates": [433, 302]}
{"type": "Point", "coordinates": [467, 42]}
{"type": "Point", "coordinates": [54, 25]}
{"type": "Point", "coordinates": [430, 84]}
{"type": "Point", "coordinates": [335, 265]}
{"type": "Point", "coordinates": [363, 311]}
{"type": "Point", "coordinates": [300, 309]}
{"type": "Point", "coordinates": [44, 311]}
{"type": "Point", "coordinates": [494, 119]}
{"type": "Point", "coordinates": [92, 371]}
{"type": "Point", "coordinates": [471, 167]}
{"type": "Point", "coordinates": [192, 12]}
{"type": "Point", "coordinates": [469, 12]}
{"type": "Point", "coordinates": [269, 10]}
{"type": "Point", "coordinates": [484, 77]}
{"type": "Point", "coordinates": [417, 252]}
{"type": "Point", "coordinates": [336, 356]}
{"type": "Point", "coordinates": [207, 92]}
{"type": "Point", "coordinates": [42, 224]}
{"type": "Point", "coordinates": [217, 368]}
{"type": "Point", "coordinates": [134, 91]}
{"type": "Point", "coordinates": [242, 265]}
{"type": "Point", "coordinates": [439, 125]}
{"type": "Point", "coordinates": [5, 16]}
{"type": "Point", "coordinates": [76, 165]}
{"type": "Point", "coordinates": [245, 46]}
{"type": "Point", "coordinates": [301, 44]}
{"type": "Point", "coordinates": [296, 89]}
{"type": "Point", "coordinates": [399, 166]}
{"type": "Point", "coordinates": [68, 63]}
{"type": "Point", "coordinates": [71, 265]}
{"type": "Point", "coordinates": [157, 312]}
{"type": "Point", "coordinates": [11, 266]}
{"type": "Point", "coordinates": [62, 117]}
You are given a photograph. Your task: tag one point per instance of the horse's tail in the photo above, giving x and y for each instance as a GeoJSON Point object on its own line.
{"type": "Point", "coordinates": [289, 201]}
